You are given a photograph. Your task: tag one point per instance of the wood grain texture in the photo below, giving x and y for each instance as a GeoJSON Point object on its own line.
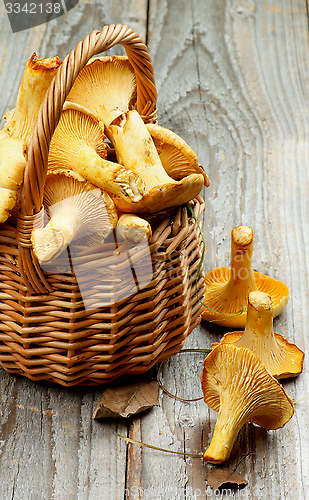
{"type": "Point", "coordinates": [232, 78]}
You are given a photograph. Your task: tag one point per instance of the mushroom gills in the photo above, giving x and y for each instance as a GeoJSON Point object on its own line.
{"type": "Point", "coordinates": [237, 385]}
{"type": "Point", "coordinates": [76, 209]}
{"type": "Point", "coordinates": [78, 144]}
{"type": "Point", "coordinates": [281, 358]}
{"type": "Point", "coordinates": [177, 158]}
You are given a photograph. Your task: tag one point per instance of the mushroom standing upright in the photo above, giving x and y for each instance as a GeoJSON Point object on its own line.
{"type": "Point", "coordinates": [237, 385]}
{"type": "Point", "coordinates": [17, 131]}
{"type": "Point", "coordinates": [106, 89]}
{"type": "Point", "coordinates": [227, 289]}
{"type": "Point", "coordinates": [281, 358]}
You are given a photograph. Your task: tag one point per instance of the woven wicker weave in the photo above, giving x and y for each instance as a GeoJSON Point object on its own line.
{"type": "Point", "coordinates": [90, 318]}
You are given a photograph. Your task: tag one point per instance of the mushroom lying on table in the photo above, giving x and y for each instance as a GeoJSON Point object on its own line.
{"type": "Point", "coordinates": [106, 89]}
{"type": "Point", "coordinates": [16, 133]}
{"type": "Point", "coordinates": [227, 289]}
{"type": "Point", "coordinates": [281, 358]}
{"type": "Point", "coordinates": [76, 209]}
{"type": "Point", "coordinates": [237, 385]}
{"type": "Point", "coordinates": [78, 144]}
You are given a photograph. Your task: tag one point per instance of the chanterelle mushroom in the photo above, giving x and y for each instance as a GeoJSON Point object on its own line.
{"type": "Point", "coordinates": [18, 129]}
{"type": "Point", "coordinates": [78, 144]}
{"type": "Point", "coordinates": [237, 385]}
{"type": "Point", "coordinates": [135, 150]}
{"type": "Point", "coordinates": [76, 208]}
{"type": "Point", "coordinates": [281, 358]}
{"type": "Point", "coordinates": [35, 82]}
{"type": "Point", "coordinates": [177, 158]}
{"type": "Point", "coordinates": [106, 89]}
{"type": "Point", "coordinates": [227, 289]}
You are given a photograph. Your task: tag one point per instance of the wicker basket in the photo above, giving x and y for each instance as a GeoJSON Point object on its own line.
{"type": "Point", "coordinates": [91, 317]}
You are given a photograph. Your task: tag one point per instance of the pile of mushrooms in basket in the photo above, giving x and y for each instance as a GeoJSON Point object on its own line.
{"type": "Point", "coordinates": [107, 169]}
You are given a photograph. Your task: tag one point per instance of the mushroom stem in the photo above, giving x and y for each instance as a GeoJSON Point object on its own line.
{"type": "Point", "coordinates": [107, 175]}
{"type": "Point", "coordinates": [35, 81]}
{"type": "Point", "coordinates": [135, 149]}
{"type": "Point", "coordinates": [78, 144]}
{"type": "Point", "coordinates": [8, 200]}
{"type": "Point", "coordinates": [229, 422]}
{"type": "Point", "coordinates": [65, 222]}
{"type": "Point", "coordinates": [12, 162]}
{"type": "Point", "coordinates": [259, 322]}
{"type": "Point", "coordinates": [234, 294]}
{"type": "Point", "coordinates": [16, 133]}
{"type": "Point", "coordinates": [133, 229]}
{"type": "Point", "coordinates": [281, 357]}
{"type": "Point", "coordinates": [241, 254]}
{"type": "Point", "coordinates": [66, 218]}
{"type": "Point", "coordinates": [76, 209]}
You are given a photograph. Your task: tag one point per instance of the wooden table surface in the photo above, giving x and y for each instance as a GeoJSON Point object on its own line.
{"type": "Point", "coordinates": [232, 78]}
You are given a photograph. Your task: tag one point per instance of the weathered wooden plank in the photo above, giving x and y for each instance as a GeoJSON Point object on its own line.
{"type": "Point", "coordinates": [232, 80]}
{"type": "Point", "coordinates": [50, 448]}
{"type": "Point", "coordinates": [59, 37]}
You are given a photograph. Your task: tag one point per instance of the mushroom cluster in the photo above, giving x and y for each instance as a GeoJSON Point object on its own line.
{"type": "Point", "coordinates": [106, 91]}
{"type": "Point", "coordinates": [239, 378]}
{"type": "Point", "coordinates": [106, 169]}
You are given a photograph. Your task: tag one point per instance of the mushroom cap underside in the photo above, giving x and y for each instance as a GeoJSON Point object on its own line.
{"type": "Point", "coordinates": [36, 79]}
{"type": "Point", "coordinates": [176, 156]}
{"type": "Point", "coordinates": [288, 362]}
{"type": "Point", "coordinates": [247, 386]}
{"type": "Point", "coordinates": [217, 278]}
{"type": "Point", "coordinates": [105, 88]}
{"type": "Point", "coordinates": [63, 184]}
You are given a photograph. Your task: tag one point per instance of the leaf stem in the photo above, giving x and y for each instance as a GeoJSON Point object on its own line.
{"type": "Point", "coordinates": [133, 441]}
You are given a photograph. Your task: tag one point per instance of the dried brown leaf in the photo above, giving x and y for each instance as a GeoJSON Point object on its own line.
{"type": "Point", "coordinates": [221, 476]}
{"type": "Point", "coordinates": [127, 399]}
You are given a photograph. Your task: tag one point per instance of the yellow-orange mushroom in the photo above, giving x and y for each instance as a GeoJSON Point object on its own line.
{"type": "Point", "coordinates": [228, 288]}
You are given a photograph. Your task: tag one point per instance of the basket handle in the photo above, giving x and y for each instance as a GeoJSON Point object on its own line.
{"type": "Point", "coordinates": [31, 211]}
